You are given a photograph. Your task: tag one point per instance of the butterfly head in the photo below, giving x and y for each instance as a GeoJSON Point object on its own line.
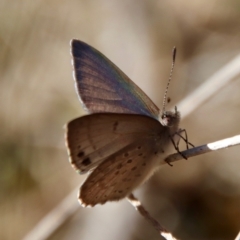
{"type": "Point", "coordinates": [170, 119]}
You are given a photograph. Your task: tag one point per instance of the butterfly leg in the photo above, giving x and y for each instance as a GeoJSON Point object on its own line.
{"type": "Point", "coordinates": [185, 138]}
{"type": "Point", "coordinates": [176, 145]}
{"type": "Point", "coordinates": [175, 139]}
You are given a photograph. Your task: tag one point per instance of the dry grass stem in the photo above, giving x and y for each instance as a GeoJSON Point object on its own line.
{"type": "Point", "coordinates": [140, 208]}
{"type": "Point", "coordinates": [54, 219]}
{"type": "Point", "coordinates": [225, 143]}
{"type": "Point", "coordinates": [210, 87]}
{"type": "Point", "coordinates": [238, 237]}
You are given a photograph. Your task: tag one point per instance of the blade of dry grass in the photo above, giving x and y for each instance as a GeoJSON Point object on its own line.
{"type": "Point", "coordinates": [55, 218]}
{"type": "Point", "coordinates": [214, 146]}
{"type": "Point", "coordinates": [210, 87]}
{"type": "Point", "coordinates": [238, 237]}
{"type": "Point", "coordinates": [140, 208]}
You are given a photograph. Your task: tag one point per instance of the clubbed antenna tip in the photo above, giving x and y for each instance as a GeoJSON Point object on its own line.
{"type": "Point", "coordinates": [174, 52]}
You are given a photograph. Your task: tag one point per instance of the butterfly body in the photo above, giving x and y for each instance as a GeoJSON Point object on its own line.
{"type": "Point", "coordinates": [122, 142]}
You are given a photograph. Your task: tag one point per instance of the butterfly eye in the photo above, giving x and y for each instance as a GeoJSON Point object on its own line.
{"type": "Point", "coordinates": [169, 119]}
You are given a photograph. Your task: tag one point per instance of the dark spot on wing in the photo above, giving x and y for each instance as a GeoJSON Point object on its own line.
{"type": "Point", "coordinates": [86, 161]}
{"type": "Point", "coordinates": [126, 154]}
{"type": "Point", "coordinates": [80, 154]}
{"type": "Point", "coordinates": [126, 179]}
{"type": "Point", "coordinates": [119, 166]}
{"type": "Point", "coordinates": [129, 160]}
{"type": "Point", "coordinates": [134, 168]}
{"type": "Point", "coordinates": [115, 126]}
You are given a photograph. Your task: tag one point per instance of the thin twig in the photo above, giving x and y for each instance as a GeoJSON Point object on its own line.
{"type": "Point", "coordinates": [214, 146]}
{"type": "Point", "coordinates": [210, 87]}
{"type": "Point", "coordinates": [55, 218]}
{"type": "Point", "coordinates": [237, 237]}
{"type": "Point", "coordinates": [139, 207]}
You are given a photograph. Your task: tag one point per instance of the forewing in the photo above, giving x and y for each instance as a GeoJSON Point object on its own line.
{"type": "Point", "coordinates": [93, 138]}
{"type": "Point", "coordinates": [103, 87]}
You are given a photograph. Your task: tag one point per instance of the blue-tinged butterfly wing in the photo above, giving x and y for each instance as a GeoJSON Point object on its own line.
{"type": "Point", "coordinates": [103, 87]}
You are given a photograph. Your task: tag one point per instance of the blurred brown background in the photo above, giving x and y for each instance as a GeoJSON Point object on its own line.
{"type": "Point", "coordinates": [196, 199]}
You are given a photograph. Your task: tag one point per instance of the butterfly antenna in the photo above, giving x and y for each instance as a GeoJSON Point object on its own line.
{"type": "Point", "coordinates": [174, 51]}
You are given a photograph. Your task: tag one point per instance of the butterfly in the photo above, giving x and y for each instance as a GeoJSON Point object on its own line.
{"type": "Point", "coordinates": [123, 139]}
